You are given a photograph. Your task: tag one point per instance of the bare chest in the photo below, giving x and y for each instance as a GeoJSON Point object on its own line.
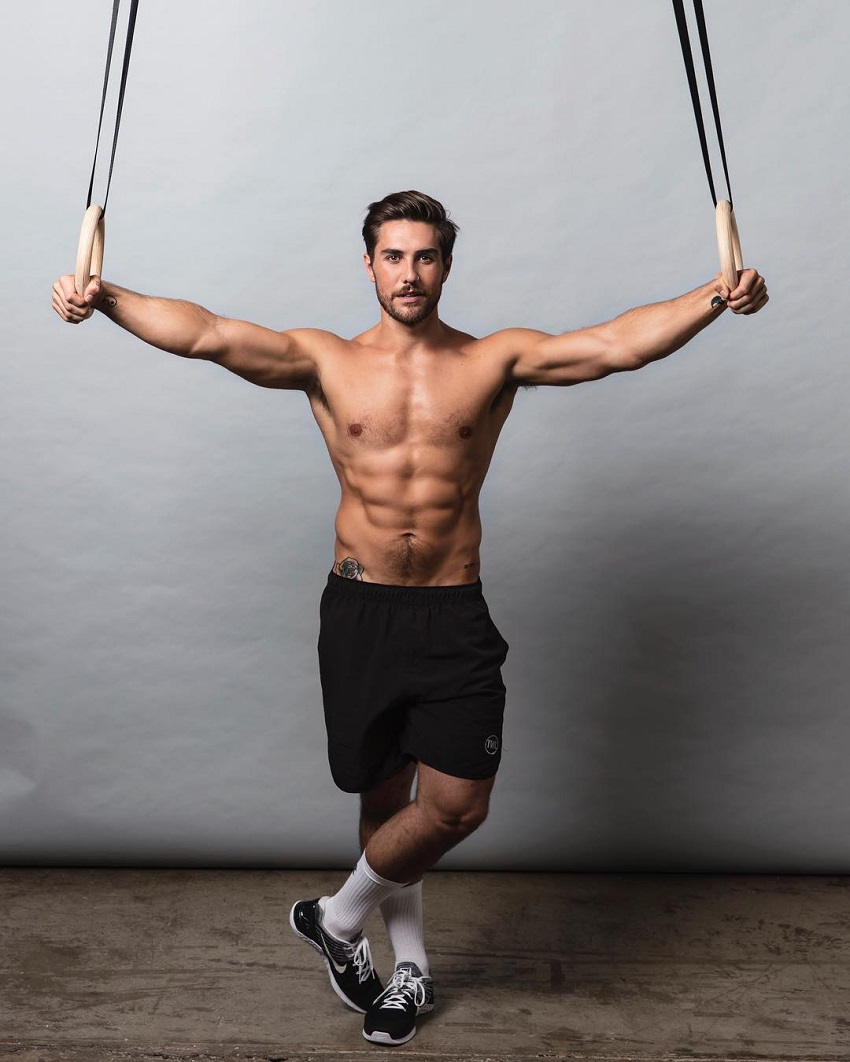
{"type": "Point", "coordinates": [449, 406]}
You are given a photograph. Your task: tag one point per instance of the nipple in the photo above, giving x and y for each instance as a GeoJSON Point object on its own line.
{"type": "Point", "coordinates": [464, 432]}
{"type": "Point", "coordinates": [355, 429]}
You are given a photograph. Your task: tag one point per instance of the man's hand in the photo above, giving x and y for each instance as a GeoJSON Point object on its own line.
{"type": "Point", "coordinates": [749, 296]}
{"type": "Point", "coordinates": [72, 307]}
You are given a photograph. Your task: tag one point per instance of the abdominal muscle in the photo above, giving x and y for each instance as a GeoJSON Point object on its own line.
{"type": "Point", "coordinates": [417, 532]}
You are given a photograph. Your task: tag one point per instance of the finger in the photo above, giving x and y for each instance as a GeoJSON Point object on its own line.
{"type": "Point", "coordinates": [752, 306]}
{"type": "Point", "coordinates": [92, 290]}
{"type": "Point", "coordinates": [60, 294]}
{"type": "Point", "coordinates": [745, 282]}
{"type": "Point", "coordinates": [63, 313]}
{"type": "Point", "coordinates": [720, 287]}
{"type": "Point", "coordinates": [71, 314]}
{"type": "Point", "coordinates": [59, 303]}
{"type": "Point", "coordinates": [753, 296]}
{"type": "Point", "coordinates": [750, 295]}
{"type": "Point", "coordinates": [68, 286]}
{"type": "Point", "coordinates": [758, 306]}
{"type": "Point", "coordinates": [68, 293]}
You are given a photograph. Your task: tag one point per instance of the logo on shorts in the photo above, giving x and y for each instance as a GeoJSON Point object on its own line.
{"type": "Point", "coordinates": [491, 745]}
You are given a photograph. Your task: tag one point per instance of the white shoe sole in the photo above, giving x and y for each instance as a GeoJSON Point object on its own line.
{"type": "Point", "coordinates": [385, 1038]}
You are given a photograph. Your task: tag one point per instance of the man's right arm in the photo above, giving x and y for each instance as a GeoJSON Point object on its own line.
{"type": "Point", "coordinates": [260, 355]}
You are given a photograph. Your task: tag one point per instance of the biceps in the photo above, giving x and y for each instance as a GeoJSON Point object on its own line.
{"type": "Point", "coordinates": [261, 355]}
{"type": "Point", "coordinates": [570, 358]}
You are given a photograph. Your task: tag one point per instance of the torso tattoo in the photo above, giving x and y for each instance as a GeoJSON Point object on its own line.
{"type": "Point", "coordinates": [350, 569]}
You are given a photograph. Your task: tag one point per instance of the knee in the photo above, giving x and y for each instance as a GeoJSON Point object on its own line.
{"type": "Point", "coordinates": [458, 821]}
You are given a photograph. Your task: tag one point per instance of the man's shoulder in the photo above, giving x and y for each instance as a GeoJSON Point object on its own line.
{"type": "Point", "coordinates": [317, 343]}
{"type": "Point", "coordinates": [509, 342]}
{"type": "Point", "coordinates": [512, 336]}
{"type": "Point", "coordinates": [317, 337]}
{"type": "Point", "coordinates": [505, 339]}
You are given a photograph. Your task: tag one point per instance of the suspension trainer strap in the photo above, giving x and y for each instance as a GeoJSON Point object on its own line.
{"type": "Point", "coordinates": [684, 39]}
{"type": "Point", "coordinates": [128, 45]}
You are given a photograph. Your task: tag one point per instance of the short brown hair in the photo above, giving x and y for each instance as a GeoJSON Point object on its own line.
{"type": "Point", "coordinates": [409, 206]}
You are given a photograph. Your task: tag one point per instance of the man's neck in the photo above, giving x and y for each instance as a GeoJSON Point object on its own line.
{"type": "Point", "coordinates": [402, 337]}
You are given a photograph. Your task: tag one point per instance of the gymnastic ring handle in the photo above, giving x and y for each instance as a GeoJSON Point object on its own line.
{"type": "Point", "coordinates": [728, 244]}
{"type": "Point", "coordinates": [90, 248]}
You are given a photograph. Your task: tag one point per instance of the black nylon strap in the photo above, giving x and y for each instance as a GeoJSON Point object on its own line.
{"type": "Point", "coordinates": [684, 39]}
{"type": "Point", "coordinates": [128, 46]}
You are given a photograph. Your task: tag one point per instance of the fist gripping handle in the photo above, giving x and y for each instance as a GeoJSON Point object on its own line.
{"type": "Point", "coordinates": [90, 248]}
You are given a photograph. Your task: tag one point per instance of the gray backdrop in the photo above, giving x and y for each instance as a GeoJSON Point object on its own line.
{"type": "Point", "coordinates": [665, 551]}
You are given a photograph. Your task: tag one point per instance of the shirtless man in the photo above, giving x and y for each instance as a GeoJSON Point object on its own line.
{"type": "Point", "coordinates": [409, 657]}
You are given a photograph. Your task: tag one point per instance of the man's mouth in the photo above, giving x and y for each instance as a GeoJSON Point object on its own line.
{"type": "Point", "coordinates": [410, 295]}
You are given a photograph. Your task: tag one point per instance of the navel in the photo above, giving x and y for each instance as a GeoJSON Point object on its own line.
{"type": "Point", "coordinates": [355, 429]}
{"type": "Point", "coordinates": [464, 432]}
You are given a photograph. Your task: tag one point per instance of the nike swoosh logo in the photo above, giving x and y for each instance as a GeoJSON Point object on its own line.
{"type": "Point", "coordinates": [339, 969]}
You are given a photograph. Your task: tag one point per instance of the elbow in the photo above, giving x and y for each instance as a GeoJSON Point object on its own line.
{"type": "Point", "coordinates": [631, 349]}
{"type": "Point", "coordinates": [619, 354]}
{"type": "Point", "coordinates": [207, 343]}
{"type": "Point", "coordinates": [628, 360]}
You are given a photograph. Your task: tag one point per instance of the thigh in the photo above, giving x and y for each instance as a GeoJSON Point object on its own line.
{"type": "Point", "coordinates": [362, 692]}
{"type": "Point", "coordinates": [386, 798]}
{"type": "Point", "coordinates": [455, 726]}
{"type": "Point", "coordinates": [450, 798]}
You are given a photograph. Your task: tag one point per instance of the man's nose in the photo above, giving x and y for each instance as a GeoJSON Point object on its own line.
{"type": "Point", "coordinates": [411, 276]}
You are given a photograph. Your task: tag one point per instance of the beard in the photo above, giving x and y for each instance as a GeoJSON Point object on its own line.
{"type": "Point", "coordinates": [408, 314]}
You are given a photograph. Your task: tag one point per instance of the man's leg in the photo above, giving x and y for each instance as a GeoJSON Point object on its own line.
{"type": "Point", "coordinates": [404, 838]}
{"type": "Point", "coordinates": [385, 800]}
{"type": "Point", "coordinates": [445, 811]}
{"type": "Point", "coordinates": [344, 913]}
{"type": "Point", "coordinates": [402, 910]}
{"type": "Point", "coordinates": [326, 924]}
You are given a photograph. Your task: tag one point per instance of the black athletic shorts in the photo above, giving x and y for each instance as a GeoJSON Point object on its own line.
{"type": "Point", "coordinates": [409, 673]}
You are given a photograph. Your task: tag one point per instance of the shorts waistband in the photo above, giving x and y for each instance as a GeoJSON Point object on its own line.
{"type": "Point", "coordinates": [421, 595]}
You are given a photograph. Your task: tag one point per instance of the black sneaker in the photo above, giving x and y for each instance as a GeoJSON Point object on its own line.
{"type": "Point", "coordinates": [349, 963]}
{"type": "Point", "coordinates": [392, 1017]}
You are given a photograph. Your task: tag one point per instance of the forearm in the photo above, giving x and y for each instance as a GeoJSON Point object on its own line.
{"type": "Point", "coordinates": [650, 333]}
{"type": "Point", "coordinates": [179, 327]}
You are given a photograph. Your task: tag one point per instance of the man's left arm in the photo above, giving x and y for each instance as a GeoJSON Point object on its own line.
{"type": "Point", "coordinates": [633, 339]}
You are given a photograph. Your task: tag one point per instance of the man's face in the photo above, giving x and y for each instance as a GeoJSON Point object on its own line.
{"type": "Point", "coordinates": [408, 270]}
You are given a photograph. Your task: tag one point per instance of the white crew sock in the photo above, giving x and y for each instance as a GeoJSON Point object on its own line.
{"type": "Point", "coordinates": [344, 913]}
{"type": "Point", "coordinates": [402, 913]}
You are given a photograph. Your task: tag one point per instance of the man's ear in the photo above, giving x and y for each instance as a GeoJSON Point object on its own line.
{"type": "Point", "coordinates": [367, 261]}
{"type": "Point", "coordinates": [447, 268]}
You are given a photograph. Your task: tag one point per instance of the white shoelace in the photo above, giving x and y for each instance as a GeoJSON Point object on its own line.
{"type": "Point", "coordinates": [363, 960]}
{"type": "Point", "coordinates": [402, 981]}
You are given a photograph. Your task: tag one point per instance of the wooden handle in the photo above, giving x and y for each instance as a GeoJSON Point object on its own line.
{"type": "Point", "coordinates": [90, 248]}
{"type": "Point", "coordinates": [728, 243]}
